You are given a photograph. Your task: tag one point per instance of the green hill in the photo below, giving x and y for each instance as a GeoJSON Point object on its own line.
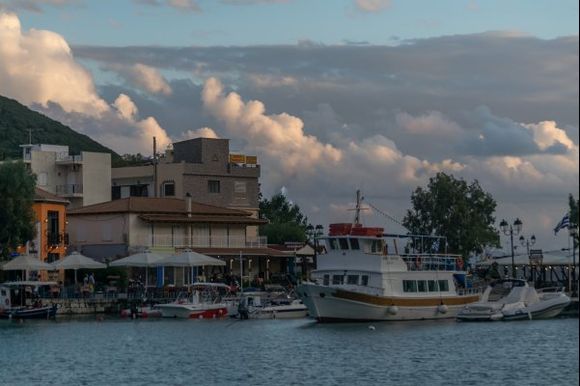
{"type": "Point", "coordinates": [16, 120]}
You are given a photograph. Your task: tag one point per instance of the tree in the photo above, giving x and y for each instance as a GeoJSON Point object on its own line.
{"type": "Point", "coordinates": [16, 198]}
{"type": "Point", "coordinates": [286, 222]}
{"type": "Point", "coordinates": [451, 208]}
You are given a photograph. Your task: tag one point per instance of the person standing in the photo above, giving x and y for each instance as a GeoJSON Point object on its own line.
{"type": "Point", "coordinates": [91, 283]}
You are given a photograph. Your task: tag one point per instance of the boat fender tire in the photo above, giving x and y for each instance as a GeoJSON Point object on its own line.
{"type": "Point", "coordinates": [393, 310]}
{"type": "Point", "coordinates": [443, 309]}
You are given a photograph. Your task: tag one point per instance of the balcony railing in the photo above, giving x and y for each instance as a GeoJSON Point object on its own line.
{"type": "Point", "coordinates": [69, 190]}
{"type": "Point", "coordinates": [178, 241]}
{"type": "Point", "coordinates": [54, 240]}
{"type": "Point", "coordinates": [65, 158]}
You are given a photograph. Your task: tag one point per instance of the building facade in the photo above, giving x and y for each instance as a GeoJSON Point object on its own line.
{"type": "Point", "coordinates": [115, 229]}
{"type": "Point", "coordinates": [82, 179]}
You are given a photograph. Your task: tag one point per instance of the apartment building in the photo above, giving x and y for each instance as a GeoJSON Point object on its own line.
{"type": "Point", "coordinates": [82, 179]}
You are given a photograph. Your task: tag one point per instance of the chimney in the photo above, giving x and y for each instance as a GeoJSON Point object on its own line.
{"type": "Point", "coordinates": [188, 203]}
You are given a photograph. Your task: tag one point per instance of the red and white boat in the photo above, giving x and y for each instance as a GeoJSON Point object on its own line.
{"type": "Point", "coordinates": [204, 303]}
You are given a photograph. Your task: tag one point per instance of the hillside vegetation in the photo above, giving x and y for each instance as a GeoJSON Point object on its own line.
{"type": "Point", "coordinates": [16, 120]}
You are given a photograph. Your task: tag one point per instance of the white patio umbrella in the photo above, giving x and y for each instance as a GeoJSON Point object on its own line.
{"type": "Point", "coordinates": [26, 263]}
{"type": "Point", "coordinates": [189, 258]}
{"type": "Point", "coordinates": [77, 261]}
{"type": "Point", "coordinates": [142, 259]}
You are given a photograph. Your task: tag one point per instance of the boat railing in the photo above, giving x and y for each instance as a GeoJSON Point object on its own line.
{"type": "Point", "coordinates": [433, 262]}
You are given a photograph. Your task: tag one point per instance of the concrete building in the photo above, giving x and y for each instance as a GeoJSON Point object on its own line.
{"type": "Point", "coordinates": [115, 229]}
{"type": "Point", "coordinates": [202, 167]}
{"type": "Point", "coordinates": [82, 179]}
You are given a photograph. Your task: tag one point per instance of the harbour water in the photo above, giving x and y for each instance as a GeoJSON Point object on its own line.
{"type": "Point", "coordinates": [287, 352]}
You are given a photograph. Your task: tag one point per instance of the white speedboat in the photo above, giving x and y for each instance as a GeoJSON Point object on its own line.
{"type": "Point", "coordinates": [513, 299]}
{"type": "Point", "coordinates": [258, 305]}
{"type": "Point", "coordinates": [203, 303]}
{"type": "Point", "coordinates": [362, 277]}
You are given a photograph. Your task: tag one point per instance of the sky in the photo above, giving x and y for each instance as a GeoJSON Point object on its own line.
{"type": "Point", "coordinates": [331, 95]}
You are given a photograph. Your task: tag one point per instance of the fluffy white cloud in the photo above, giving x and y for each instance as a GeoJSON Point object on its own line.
{"type": "Point", "coordinates": [149, 79]}
{"type": "Point", "coordinates": [204, 132]}
{"type": "Point", "coordinates": [38, 67]}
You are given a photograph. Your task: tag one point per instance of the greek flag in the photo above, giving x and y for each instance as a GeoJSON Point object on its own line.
{"type": "Point", "coordinates": [564, 223]}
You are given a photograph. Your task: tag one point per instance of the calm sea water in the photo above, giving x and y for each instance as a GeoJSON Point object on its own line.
{"type": "Point", "coordinates": [291, 352]}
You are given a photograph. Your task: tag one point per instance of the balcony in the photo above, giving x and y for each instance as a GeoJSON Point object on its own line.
{"type": "Point", "coordinates": [69, 190]}
{"type": "Point", "coordinates": [55, 240]}
{"type": "Point", "coordinates": [177, 241]}
{"type": "Point", "coordinates": [66, 159]}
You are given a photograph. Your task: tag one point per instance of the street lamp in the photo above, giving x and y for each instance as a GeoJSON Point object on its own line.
{"type": "Point", "coordinates": [313, 233]}
{"type": "Point", "coordinates": [527, 242]}
{"type": "Point", "coordinates": [510, 231]}
{"type": "Point", "coordinates": [573, 234]}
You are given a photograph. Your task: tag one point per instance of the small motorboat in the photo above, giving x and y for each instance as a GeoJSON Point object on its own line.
{"type": "Point", "coordinates": [203, 303]}
{"type": "Point", "coordinates": [258, 305]}
{"type": "Point", "coordinates": [20, 300]}
{"type": "Point", "coordinates": [141, 312]}
{"type": "Point", "coordinates": [513, 299]}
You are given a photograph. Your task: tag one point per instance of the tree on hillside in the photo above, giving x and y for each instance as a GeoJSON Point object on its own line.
{"type": "Point", "coordinates": [16, 197]}
{"type": "Point", "coordinates": [286, 222]}
{"type": "Point", "coordinates": [451, 208]}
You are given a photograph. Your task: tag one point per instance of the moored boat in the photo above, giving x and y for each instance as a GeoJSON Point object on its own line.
{"type": "Point", "coordinates": [514, 299]}
{"type": "Point", "coordinates": [203, 303]}
{"type": "Point", "coordinates": [19, 300]}
{"type": "Point", "coordinates": [258, 305]}
{"type": "Point", "coordinates": [363, 277]}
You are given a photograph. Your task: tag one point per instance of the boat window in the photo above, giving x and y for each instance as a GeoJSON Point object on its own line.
{"type": "Point", "coordinates": [337, 279]}
{"type": "Point", "coordinates": [443, 285]}
{"type": "Point", "coordinates": [364, 280]}
{"type": "Point", "coordinates": [343, 243]}
{"type": "Point", "coordinates": [422, 285]}
{"type": "Point", "coordinates": [326, 279]}
{"type": "Point", "coordinates": [433, 287]}
{"type": "Point", "coordinates": [354, 244]}
{"type": "Point", "coordinates": [333, 243]}
{"type": "Point", "coordinates": [377, 246]}
{"type": "Point", "coordinates": [409, 286]}
{"type": "Point", "coordinates": [352, 279]}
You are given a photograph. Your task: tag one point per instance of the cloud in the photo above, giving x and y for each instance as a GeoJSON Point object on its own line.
{"type": "Point", "coordinates": [38, 67]}
{"type": "Point", "coordinates": [181, 5]}
{"type": "Point", "coordinates": [36, 5]}
{"type": "Point", "coordinates": [372, 6]}
{"type": "Point", "coordinates": [148, 79]}
{"type": "Point", "coordinates": [204, 132]}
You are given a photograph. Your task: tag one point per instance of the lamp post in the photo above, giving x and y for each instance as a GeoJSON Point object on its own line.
{"type": "Point", "coordinates": [313, 233]}
{"type": "Point", "coordinates": [527, 242]}
{"type": "Point", "coordinates": [573, 234]}
{"type": "Point", "coordinates": [510, 231]}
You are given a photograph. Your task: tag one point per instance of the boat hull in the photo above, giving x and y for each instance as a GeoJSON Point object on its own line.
{"type": "Point", "coordinates": [292, 311]}
{"type": "Point", "coordinates": [47, 312]}
{"type": "Point", "coordinates": [328, 304]}
{"type": "Point", "coordinates": [193, 311]}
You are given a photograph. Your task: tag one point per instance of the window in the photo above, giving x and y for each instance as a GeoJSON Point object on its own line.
{"type": "Point", "coordinates": [343, 243]}
{"type": "Point", "coordinates": [409, 286]}
{"type": "Point", "coordinates": [42, 179]}
{"type": "Point", "coordinates": [240, 187]}
{"type": "Point", "coordinates": [139, 191]}
{"type": "Point", "coordinates": [352, 279]}
{"type": "Point", "coordinates": [354, 244]}
{"type": "Point", "coordinates": [326, 280]}
{"type": "Point", "coordinates": [433, 287]}
{"type": "Point", "coordinates": [52, 227]}
{"type": "Point", "coordinates": [213, 186]}
{"type": "Point", "coordinates": [337, 279]}
{"type": "Point", "coordinates": [333, 243]}
{"type": "Point", "coordinates": [168, 189]}
{"type": "Point", "coordinates": [115, 192]}
{"type": "Point", "coordinates": [422, 285]}
{"type": "Point", "coordinates": [52, 257]}
{"type": "Point", "coordinates": [443, 286]}
{"type": "Point", "coordinates": [364, 280]}
{"type": "Point", "coordinates": [376, 246]}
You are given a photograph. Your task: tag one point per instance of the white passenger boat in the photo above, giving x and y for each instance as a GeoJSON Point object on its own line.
{"type": "Point", "coordinates": [203, 303]}
{"type": "Point", "coordinates": [362, 277]}
{"type": "Point", "coordinates": [513, 299]}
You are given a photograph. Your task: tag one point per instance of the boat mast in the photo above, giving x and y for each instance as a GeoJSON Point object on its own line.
{"type": "Point", "coordinates": [357, 208]}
